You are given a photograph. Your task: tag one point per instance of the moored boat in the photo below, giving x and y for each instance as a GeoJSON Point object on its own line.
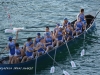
{"type": "Point", "coordinates": [9, 69]}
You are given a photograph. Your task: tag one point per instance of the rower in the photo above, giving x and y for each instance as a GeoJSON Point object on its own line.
{"type": "Point", "coordinates": [83, 19]}
{"type": "Point", "coordinates": [47, 31]}
{"type": "Point", "coordinates": [69, 32]}
{"type": "Point", "coordinates": [37, 39]}
{"type": "Point", "coordinates": [59, 36]}
{"type": "Point", "coordinates": [65, 22]}
{"type": "Point", "coordinates": [78, 26]}
{"type": "Point", "coordinates": [54, 34]}
{"type": "Point", "coordinates": [56, 28]}
{"type": "Point", "coordinates": [41, 48]}
{"type": "Point", "coordinates": [11, 47]}
{"type": "Point", "coordinates": [81, 15]}
{"type": "Point", "coordinates": [18, 53]}
{"type": "Point", "coordinates": [48, 42]}
{"type": "Point", "coordinates": [26, 44]}
{"type": "Point", "coordinates": [29, 52]}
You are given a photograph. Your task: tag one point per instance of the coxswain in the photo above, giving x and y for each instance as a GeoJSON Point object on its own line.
{"type": "Point", "coordinates": [11, 47]}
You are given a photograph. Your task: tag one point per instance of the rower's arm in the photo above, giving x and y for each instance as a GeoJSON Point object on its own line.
{"type": "Point", "coordinates": [28, 49]}
{"type": "Point", "coordinates": [16, 37]}
{"type": "Point", "coordinates": [56, 33]}
{"type": "Point", "coordinates": [75, 25]}
{"type": "Point", "coordinates": [24, 46]}
{"type": "Point", "coordinates": [22, 52]}
{"type": "Point", "coordinates": [34, 40]}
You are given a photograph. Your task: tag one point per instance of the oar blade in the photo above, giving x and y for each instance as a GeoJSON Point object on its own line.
{"type": "Point", "coordinates": [9, 31]}
{"type": "Point", "coordinates": [73, 64]}
{"type": "Point", "coordinates": [52, 70]}
{"type": "Point", "coordinates": [16, 29]}
{"type": "Point", "coordinates": [65, 72]}
{"type": "Point", "coordinates": [83, 52]}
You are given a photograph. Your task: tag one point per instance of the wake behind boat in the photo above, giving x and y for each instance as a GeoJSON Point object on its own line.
{"type": "Point", "coordinates": [7, 69]}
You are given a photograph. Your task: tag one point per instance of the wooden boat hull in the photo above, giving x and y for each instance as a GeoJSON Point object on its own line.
{"type": "Point", "coordinates": [10, 69]}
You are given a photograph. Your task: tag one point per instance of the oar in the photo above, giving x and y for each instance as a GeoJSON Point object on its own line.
{"type": "Point", "coordinates": [72, 62]}
{"type": "Point", "coordinates": [36, 63]}
{"type": "Point", "coordinates": [2, 51]}
{"type": "Point", "coordinates": [2, 47]}
{"type": "Point", "coordinates": [95, 16]}
{"type": "Point", "coordinates": [13, 31]}
{"type": "Point", "coordinates": [52, 70]}
{"type": "Point", "coordinates": [39, 27]}
{"type": "Point", "coordinates": [64, 72]}
{"type": "Point", "coordinates": [26, 38]}
{"type": "Point", "coordinates": [83, 51]}
{"type": "Point", "coordinates": [32, 31]}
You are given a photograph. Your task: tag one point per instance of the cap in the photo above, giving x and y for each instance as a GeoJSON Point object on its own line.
{"type": "Point", "coordinates": [10, 38]}
{"type": "Point", "coordinates": [57, 24]}
{"type": "Point", "coordinates": [38, 34]}
{"type": "Point", "coordinates": [65, 19]}
{"type": "Point", "coordinates": [30, 43]}
{"type": "Point", "coordinates": [68, 23]}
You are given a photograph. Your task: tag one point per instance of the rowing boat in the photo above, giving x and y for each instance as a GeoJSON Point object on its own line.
{"type": "Point", "coordinates": [10, 69]}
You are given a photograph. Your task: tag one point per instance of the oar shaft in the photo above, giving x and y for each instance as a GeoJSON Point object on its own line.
{"type": "Point", "coordinates": [36, 64]}
{"type": "Point", "coordinates": [96, 14]}
{"type": "Point", "coordinates": [55, 55]}
{"type": "Point", "coordinates": [39, 27]}
{"type": "Point", "coordinates": [54, 61]}
{"type": "Point", "coordinates": [25, 38]}
{"type": "Point", "coordinates": [31, 31]}
{"type": "Point", "coordinates": [68, 50]}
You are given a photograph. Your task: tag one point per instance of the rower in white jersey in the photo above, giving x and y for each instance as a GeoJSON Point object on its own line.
{"type": "Point", "coordinates": [11, 47]}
